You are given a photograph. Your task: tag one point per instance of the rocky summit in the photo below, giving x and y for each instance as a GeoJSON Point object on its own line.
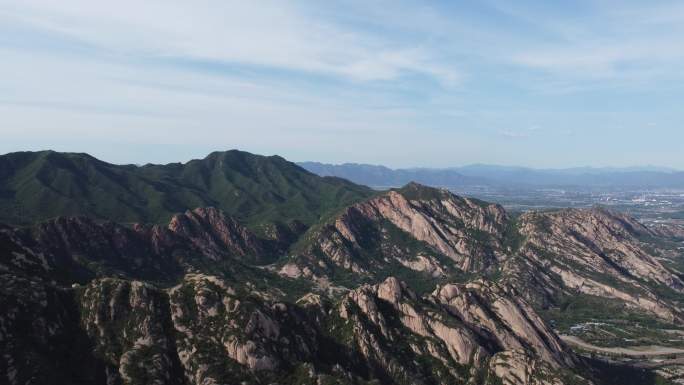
{"type": "Point", "coordinates": [311, 280]}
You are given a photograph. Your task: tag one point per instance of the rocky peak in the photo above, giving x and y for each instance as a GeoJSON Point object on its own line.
{"type": "Point", "coordinates": [392, 290]}
{"type": "Point", "coordinates": [210, 230]}
{"type": "Point", "coordinates": [485, 305]}
{"type": "Point", "coordinates": [444, 221]}
{"type": "Point", "coordinates": [620, 220]}
{"type": "Point", "coordinates": [416, 227]}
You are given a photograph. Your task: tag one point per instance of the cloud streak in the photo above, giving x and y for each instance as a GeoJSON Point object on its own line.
{"type": "Point", "coordinates": [615, 42]}
{"type": "Point", "coordinates": [269, 34]}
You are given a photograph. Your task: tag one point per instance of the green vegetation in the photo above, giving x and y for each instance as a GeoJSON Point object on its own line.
{"type": "Point", "coordinates": [415, 191]}
{"type": "Point", "coordinates": [612, 323]}
{"type": "Point", "coordinates": [512, 239]}
{"type": "Point", "coordinates": [35, 186]}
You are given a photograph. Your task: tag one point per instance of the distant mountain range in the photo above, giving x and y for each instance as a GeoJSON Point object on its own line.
{"type": "Point", "coordinates": [381, 176]}
{"type": "Point", "coordinates": [502, 176]}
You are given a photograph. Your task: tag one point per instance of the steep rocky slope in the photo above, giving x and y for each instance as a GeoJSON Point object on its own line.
{"type": "Point", "coordinates": [76, 249]}
{"type": "Point", "coordinates": [206, 330]}
{"type": "Point", "coordinates": [183, 304]}
{"type": "Point", "coordinates": [411, 286]}
{"type": "Point", "coordinates": [415, 228]}
{"type": "Point", "coordinates": [593, 252]}
{"type": "Point", "coordinates": [431, 236]}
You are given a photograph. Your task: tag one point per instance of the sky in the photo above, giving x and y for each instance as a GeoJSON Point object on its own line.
{"type": "Point", "coordinates": [546, 84]}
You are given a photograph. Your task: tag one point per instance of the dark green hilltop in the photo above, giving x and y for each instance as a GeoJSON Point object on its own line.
{"type": "Point", "coordinates": [35, 186]}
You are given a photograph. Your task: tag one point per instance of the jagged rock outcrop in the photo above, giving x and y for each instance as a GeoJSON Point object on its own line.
{"type": "Point", "coordinates": [515, 368]}
{"type": "Point", "coordinates": [503, 314]}
{"type": "Point", "coordinates": [423, 229]}
{"type": "Point", "coordinates": [603, 241]}
{"type": "Point", "coordinates": [206, 331]}
{"type": "Point", "coordinates": [128, 322]}
{"type": "Point", "coordinates": [212, 232]}
{"type": "Point", "coordinates": [594, 252]}
{"type": "Point", "coordinates": [458, 326]}
{"type": "Point", "coordinates": [446, 223]}
{"type": "Point", "coordinates": [78, 249]}
{"type": "Point", "coordinates": [549, 254]}
{"type": "Point", "coordinates": [222, 331]}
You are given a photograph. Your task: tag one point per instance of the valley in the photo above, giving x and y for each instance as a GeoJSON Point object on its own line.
{"type": "Point", "coordinates": [642, 352]}
{"type": "Point", "coordinates": [651, 206]}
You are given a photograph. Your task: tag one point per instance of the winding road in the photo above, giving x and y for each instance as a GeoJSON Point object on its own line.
{"type": "Point", "coordinates": [636, 351]}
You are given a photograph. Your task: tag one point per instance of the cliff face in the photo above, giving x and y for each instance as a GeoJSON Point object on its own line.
{"type": "Point", "coordinates": [128, 322]}
{"type": "Point", "coordinates": [463, 230]}
{"type": "Point", "coordinates": [602, 241]}
{"type": "Point", "coordinates": [457, 326]}
{"type": "Point", "coordinates": [422, 229]}
{"type": "Point", "coordinates": [215, 234]}
{"type": "Point", "coordinates": [594, 252]}
{"type": "Point", "coordinates": [547, 255]}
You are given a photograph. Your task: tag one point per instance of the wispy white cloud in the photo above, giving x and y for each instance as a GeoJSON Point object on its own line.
{"type": "Point", "coordinates": [522, 133]}
{"type": "Point", "coordinates": [514, 134]}
{"type": "Point", "coordinates": [621, 43]}
{"type": "Point", "coordinates": [271, 34]}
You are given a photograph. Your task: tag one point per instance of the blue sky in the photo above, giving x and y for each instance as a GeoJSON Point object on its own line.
{"type": "Point", "coordinates": [400, 83]}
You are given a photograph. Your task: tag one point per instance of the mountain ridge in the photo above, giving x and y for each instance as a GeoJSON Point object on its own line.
{"type": "Point", "coordinates": [408, 285]}
{"type": "Point", "coordinates": [502, 176]}
{"type": "Point", "coordinates": [41, 185]}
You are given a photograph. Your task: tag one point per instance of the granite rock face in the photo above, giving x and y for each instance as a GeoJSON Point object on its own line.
{"type": "Point", "coordinates": [546, 255]}
{"type": "Point", "coordinates": [423, 229]}
{"type": "Point", "coordinates": [594, 252]}
{"type": "Point", "coordinates": [204, 331]}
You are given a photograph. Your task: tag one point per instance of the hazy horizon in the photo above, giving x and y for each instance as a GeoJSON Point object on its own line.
{"type": "Point", "coordinates": [635, 167]}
